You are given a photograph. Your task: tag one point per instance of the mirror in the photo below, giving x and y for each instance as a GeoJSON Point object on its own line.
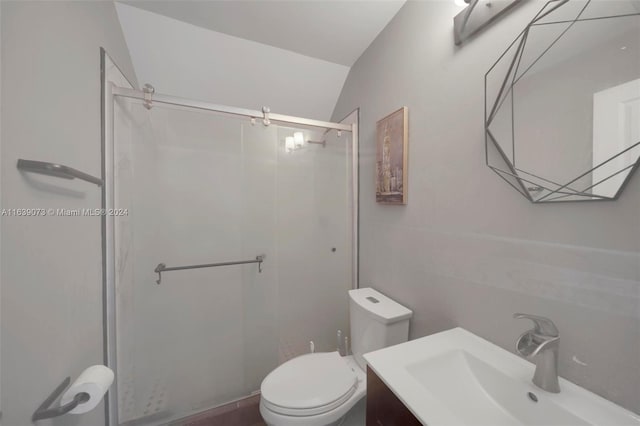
{"type": "Point", "coordinates": [562, 103]}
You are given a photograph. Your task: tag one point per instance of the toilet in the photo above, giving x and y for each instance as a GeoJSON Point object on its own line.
{"type": "Point", "coordinates": [318, 389]}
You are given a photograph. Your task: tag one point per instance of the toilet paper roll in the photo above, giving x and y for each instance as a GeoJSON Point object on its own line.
{"type": "Point", "coordinates": [94, 381]}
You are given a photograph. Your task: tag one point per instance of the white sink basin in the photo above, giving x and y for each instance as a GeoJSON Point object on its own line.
{"type": "Point", "coordinates": [457, 378]}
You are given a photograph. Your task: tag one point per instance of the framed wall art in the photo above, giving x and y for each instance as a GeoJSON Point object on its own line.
{"type": "Point", "coordinates": [392, 150]}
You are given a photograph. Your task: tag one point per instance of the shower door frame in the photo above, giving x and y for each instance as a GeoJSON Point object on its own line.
{"type": "Point", "coordinates": [108, 93]}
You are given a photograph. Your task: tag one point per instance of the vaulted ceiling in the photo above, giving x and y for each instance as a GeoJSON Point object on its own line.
{"type": "Point", "coordinates": [337, 31]}
{"type": "Point", "coordinates": [292, 56]}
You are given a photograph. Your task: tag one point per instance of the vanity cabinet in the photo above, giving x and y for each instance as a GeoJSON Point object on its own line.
{"type": "Point", "coordinates": [383, 407]}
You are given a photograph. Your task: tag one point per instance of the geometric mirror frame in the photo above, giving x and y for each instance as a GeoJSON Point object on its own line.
{"type": "Point", "coordinates": [562, 103]}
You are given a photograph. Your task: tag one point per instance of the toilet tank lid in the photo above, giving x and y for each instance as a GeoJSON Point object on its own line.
{"type": "Point", "coordinates": [380, 306]}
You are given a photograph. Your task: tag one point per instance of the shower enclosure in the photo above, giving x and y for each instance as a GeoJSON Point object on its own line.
{"type": "Point", "coordinates": [251, 218]}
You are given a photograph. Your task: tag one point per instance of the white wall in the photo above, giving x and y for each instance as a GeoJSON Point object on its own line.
{"type": "Point", "coordinates": [468, 250]}
{"type": "Point", "coordinates": [185, 60]}
{"type": "Point", "coordinates": [336, 31]}
{"type": "Point", "coordinates": [51, 266]}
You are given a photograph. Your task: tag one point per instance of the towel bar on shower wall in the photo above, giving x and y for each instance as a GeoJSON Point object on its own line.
{"type": "Point", "coordinates": [163, 268]}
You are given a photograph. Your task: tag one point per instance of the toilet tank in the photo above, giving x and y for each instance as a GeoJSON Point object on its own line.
{"type": "Point", "coordinates": [376, 322]}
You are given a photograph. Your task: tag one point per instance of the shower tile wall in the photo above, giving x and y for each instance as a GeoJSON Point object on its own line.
{"type": "Point", "coordinates": [203, 188]}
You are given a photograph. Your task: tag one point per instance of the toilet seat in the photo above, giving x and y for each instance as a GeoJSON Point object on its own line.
{"type": "Point", "coordinates": [309, 385]}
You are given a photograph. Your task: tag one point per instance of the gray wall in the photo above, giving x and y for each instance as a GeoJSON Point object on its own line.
{"type": "Point", "coordinates": [468, 250]}
{"type": "Point", "coordinates": [51, 266]}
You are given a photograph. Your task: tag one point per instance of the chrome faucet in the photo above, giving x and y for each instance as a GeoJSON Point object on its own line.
{"type": "Point", "coordinates": [540, 345]}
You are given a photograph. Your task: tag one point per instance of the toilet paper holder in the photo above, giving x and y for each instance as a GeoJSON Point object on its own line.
{"type": "Point", "coordinates": [45, 412]}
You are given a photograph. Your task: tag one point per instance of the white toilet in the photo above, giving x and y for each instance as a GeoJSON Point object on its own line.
{"type": "Point", "coordinates": [318, 389]}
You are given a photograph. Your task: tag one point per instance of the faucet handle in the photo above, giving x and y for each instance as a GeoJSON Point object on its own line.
{"type": "Point", "coordinates": [543, 326]}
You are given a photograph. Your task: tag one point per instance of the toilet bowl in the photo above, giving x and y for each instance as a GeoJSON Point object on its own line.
{"type": "Point", "coordinates": [319, 389]}
{"type": "Point", "coordinates": [315, 389]}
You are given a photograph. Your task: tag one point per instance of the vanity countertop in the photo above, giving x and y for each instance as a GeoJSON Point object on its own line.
{"type": "Point", "coordinates": [457, 378]}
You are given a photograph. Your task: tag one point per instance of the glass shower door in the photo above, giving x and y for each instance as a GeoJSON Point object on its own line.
{"type": "Point", "coordinates": [203, 188]}
{"type": "Point", "coordinates": [313, 241]}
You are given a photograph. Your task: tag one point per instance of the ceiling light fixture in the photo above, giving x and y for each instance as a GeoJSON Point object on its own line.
{"type": "Point", "coordinates": [464, 27]}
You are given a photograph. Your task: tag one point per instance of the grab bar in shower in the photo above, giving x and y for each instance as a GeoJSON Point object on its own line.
{"type": "Point", "coordinates": [163, 268]}
{"type": "Point", "coordinates": [57, 170]}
